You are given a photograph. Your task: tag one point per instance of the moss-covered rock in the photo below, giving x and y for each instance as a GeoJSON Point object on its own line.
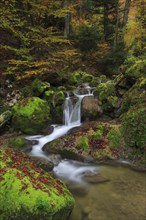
{"type": "Point", "coordinates": [31, 115]}
{"type": "Point", "coordinates": [30, 193]}
{"type": "Point", "coordinates": [133, 127]}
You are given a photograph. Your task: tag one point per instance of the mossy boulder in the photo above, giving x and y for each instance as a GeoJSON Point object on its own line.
{"type": "Point", "coordinates": [31, 115]}
{"type": "Point", "coordinates": [30, 193]}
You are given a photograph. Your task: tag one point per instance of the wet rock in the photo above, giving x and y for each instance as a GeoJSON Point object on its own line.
{"type": "Point", "coordinates": [95, 178]}
{"type": "Point", "coordinates": [55, 159]}
{"type": "Point", "coordinates": [91, 108]}
{"type": "Point", "coordinates": [43, 163]}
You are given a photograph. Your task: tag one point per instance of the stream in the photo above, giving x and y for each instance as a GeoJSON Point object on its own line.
{"type": "Point", "coordinates": [122, 197]}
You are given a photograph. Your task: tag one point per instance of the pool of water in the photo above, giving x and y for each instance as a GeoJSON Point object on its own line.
{"type": "Point", "coordinates": [123, 197]}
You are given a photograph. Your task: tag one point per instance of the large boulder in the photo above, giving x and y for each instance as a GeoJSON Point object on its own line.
{"type": "Point", "coordinates": [31, 115]}
{"type": "Point", "coordinates": [30, 193]}
{"type": "Point", "coordinates": [91, 108]}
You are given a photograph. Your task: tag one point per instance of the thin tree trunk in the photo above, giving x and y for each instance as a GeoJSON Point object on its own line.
{"type": "Point", "coordinates": [105, 22]}
{"type": "Point", "coordinates": [67, 20]}
{"type": "Point", "coordinates": [116, 27]}
{"type": "Point", "coordinates": [126, 11]}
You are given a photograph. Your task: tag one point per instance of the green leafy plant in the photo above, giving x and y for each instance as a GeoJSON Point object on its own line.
{"type": "Point", "coordinates": [82, 143]}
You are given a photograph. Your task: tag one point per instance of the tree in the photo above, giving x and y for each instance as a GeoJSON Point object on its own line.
{"type": "Point", "coordinates": [126, 11]}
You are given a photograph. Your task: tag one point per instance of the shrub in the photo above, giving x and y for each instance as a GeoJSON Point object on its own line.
{"type": "Point", "coordinates": [133, 127]}
{"type": "Point", "coordinates": [107, 94]}
{"type": "Point", "coordinates": [114, 136]}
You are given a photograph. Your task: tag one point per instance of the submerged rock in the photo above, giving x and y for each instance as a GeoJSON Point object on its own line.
{"type": "Point", "coordinates": [95, 178]}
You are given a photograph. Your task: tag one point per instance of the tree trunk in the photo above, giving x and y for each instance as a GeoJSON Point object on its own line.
{"type": "Point", "coordinates": [67, 20]}
{"type": "Point", "coordinates": [126, 11]}
{"type": "Point", "coordinates": [116, 27]}
{"type": "Point", "coordinates": [106, 21]}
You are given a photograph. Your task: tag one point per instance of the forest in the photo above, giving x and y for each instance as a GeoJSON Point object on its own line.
{"type": "Point", "coordinates": [72, 92]}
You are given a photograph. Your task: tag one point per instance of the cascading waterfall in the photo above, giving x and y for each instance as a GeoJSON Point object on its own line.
{"type": "Point", "coordinates": [72, 118]}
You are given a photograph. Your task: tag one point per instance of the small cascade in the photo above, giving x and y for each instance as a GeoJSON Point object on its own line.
{"type": "Point", "coordinates": [72, 118]}
{"type": "Point", "coordinates": [72, 112]}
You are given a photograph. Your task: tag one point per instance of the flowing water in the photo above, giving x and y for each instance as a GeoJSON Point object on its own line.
{"type": "Point", "coordinates": [72, 118]}
{"type": "Point", "coordinates": [123, 197]}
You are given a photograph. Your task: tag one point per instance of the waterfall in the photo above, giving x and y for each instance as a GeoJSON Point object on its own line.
{"type": "Point", "coordinates": [72, 118]}
{"type": "Point", "coordinates": [72, 112]}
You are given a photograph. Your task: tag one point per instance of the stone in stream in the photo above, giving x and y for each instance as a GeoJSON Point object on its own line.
{"type": "Point", "coordinates": [43, 163]}
{"type": "Point", "coordinates": [95, 178]}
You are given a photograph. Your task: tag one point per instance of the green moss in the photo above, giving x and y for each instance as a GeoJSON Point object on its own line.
{"type": "Point", "coordinates": [31, 115]}
{"type": "Point", "coordinates": [27, 192]}
{"type": "Point", "coordinates": [133, 127]}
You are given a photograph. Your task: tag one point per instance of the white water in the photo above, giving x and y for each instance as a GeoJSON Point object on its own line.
{"type": "Point", "coordinates": [72, 118]}
{"type": "Point", "coordinates": [74, 171]}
